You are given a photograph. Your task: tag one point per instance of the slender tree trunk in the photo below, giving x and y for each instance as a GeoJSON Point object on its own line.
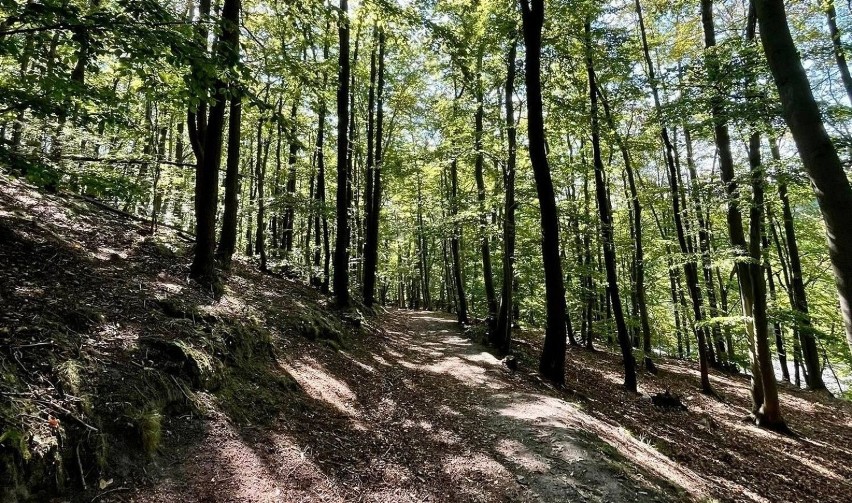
{"type": "Point", "coordinates": [207, 178]}
{"type": "Point", "coordinates": [818, 153]}
{"type": "Point", "coordinates": [639, 253]}
{"type": "Point", "coordinates": [606, 226]}
{"type": "Point", "coordinates": [369, 283]}
{"type": "Point", "coordinates": [552, 362]}
{"type": "Point", "coordinates": [455, 248]}
{"type": "Point", "coordinates": [502, 339]}
{"type": "Point", "coordinates": [704, 246]}
{"type": "Point", "coordinates": [690, 268]}
{"type": "Point", "coordinates": [484, 245]}
{"type": "Point", "coordinates": [341, 245]}
{"type": "Point", "coordinates": [753, 307]}
{"type": "Point", "coordinates": [228, 238]}
{"type": "Point", "coordinates": [371, 243]}
{"type": "Point", "coordinates": [837, 44]}
{"type": "Point", "coordinates": [289, 212]}
{"type": "Point", "coordinates": [776, 325]}
{"type": "Point", "coordinates": [260, 175]}
{"type": "Point", "coordinates": [797, 283]}
{"type": "Point", "coordinates": [749, 272]}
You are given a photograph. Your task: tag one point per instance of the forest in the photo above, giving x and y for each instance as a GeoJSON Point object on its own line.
{"type": "Point", "coordinates": [438, 250]}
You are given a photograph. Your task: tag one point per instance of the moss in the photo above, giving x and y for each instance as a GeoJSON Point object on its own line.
{"type": "Point", "coordinates": [246, 343]}
{"type": "Point", "coordinates": [255, 395]}
{"type": "Point", "coordinates": [179, 357]}
{"type": "Point", "coordinates": [68, 373]}
{"type": "Point", "coordinates": [149, 425]}
{"type": "Point", "coordinates": [17, 441]}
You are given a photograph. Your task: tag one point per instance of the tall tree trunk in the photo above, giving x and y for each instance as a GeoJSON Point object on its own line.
{"type": "Point", "coordinates": [341, 244]}
{"type": "Point", "coordinates": [260, 175]}
{"type": "Point", "coordinates": [289, 212]}
{"type": "Point", "coordinates": [228, 238]}
{"type": "Point", "coordinates": [484, 245]}
{"type": "Point", "coordinates": [552, 362]}
{"type": "Point", "coordinates": [689, 267]}
{"type": "Point", "coordinates": [799, 295]}
{"type": "Point", "coordinates": [639, 257]}
{"type": "Point", "coordinates": [776, 325]}
{"type": "Point", "coordinates": [837, 44]}
{"type": "Point", "coordinates": [502, 338]}
{"type": "Point", "coordinates": [818, 154]}
{"type": "Point", "coordinates": [207, 178]}
{"type": "Point", "coordinates": [371, 243]}
{"type": "Point", "coordinates": [606, 226]}
{"type": "Point", "coordinates": [704, 247]}
{"type": "Point", "coordinates": [369, 284]}
{"type": "Point", "coordinates": [455, 248]}
{"type": "Point", "coordinates": [766, 406]}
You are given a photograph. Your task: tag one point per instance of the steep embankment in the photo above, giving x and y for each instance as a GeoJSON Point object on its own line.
{"type": "Point", "coordinates": [108, 354]}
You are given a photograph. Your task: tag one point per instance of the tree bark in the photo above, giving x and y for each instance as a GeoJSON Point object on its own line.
{"type": "Point", "coordinates": [552, 362]}
{"type": "Point", "coordinates": [484, 245]}
{"type": "Point", "coordinates": [455, 247]}
{"type": "Point", "coordinates": [502, 338]}
{"type": "Point", "coordinates": [606, 226]}
{"type": "Point", "coordinates": [228, 237]}
{"type": "Point", "coordinates": [207, 177]}
{"type": "Point", "coordinates": [689, 267]}
{"type": "Point", "coordinates": [764, 391]}
{"type": "Point", "coordinates": [341, 244]}
{"type": "Point", "coordinates": [797, 284]}
{"type": "Point", "coordinates": [818, 154]}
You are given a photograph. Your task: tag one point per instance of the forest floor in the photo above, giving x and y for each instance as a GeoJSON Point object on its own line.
{"type": "Point", "coordinates": [117, 371]}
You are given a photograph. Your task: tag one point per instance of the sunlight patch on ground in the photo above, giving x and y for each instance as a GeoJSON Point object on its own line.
{"type": "Point", "coordinates": [433, 319]}
{"type": "Point", "coordinates": [540, 409]}
{"type": "Point", "coordinates": [549, 411]}
{"type": "Point", "coordinates": [474, 465]}
{"type": "Point", "coordinates": [517, 453]}
{"type": "Point", "coordinates": [128, 335]}
{"type": "Point", "coordinates": [364, 366]}
{"type": "Point", "coordinates": [275, 470]}
{"type": "Point", "coordinates": [319, 384]}
{"type": "Point", "coordinates": [810, 464]}
{"type": "Point", "coordinates": [445, 437]}
{"type": "Point", "coordinates": [483, 357]}
{"type": "Point", "coordinates": [458, 368]}
{"type": "Point", "coordinates": [107, 254]}
{"type": "Point", "coordinates": [382, 361]}
{"type": "Point", "coordinates": [395, 354]}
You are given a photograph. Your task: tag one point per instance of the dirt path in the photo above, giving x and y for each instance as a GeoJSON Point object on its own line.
{"type": "Point", "coordinates": [420, 414]}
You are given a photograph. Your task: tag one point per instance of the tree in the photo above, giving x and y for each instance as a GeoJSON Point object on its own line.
{"type": "Point", "coordinates": [502, 335]}
{"type": "Point", "coordinates": [207, 177]}
{"type": "Point", "coordinates": [818, 153]}
{"type": "Point", "coordinates": [605, 213]}
{"type": "Point", "coordinates": [552, 362]}
{"type": "Point", "coordinates": [374, 185]}
{"type": "Point", "coordinates": [341, 242]}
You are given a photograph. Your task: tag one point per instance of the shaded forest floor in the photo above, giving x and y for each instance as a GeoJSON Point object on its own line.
{"type": "Point", "coordinates": [119, 372]}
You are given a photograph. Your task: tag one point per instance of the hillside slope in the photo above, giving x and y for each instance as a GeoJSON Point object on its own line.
{"type": "Point", "coordinates": [122, 381]}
